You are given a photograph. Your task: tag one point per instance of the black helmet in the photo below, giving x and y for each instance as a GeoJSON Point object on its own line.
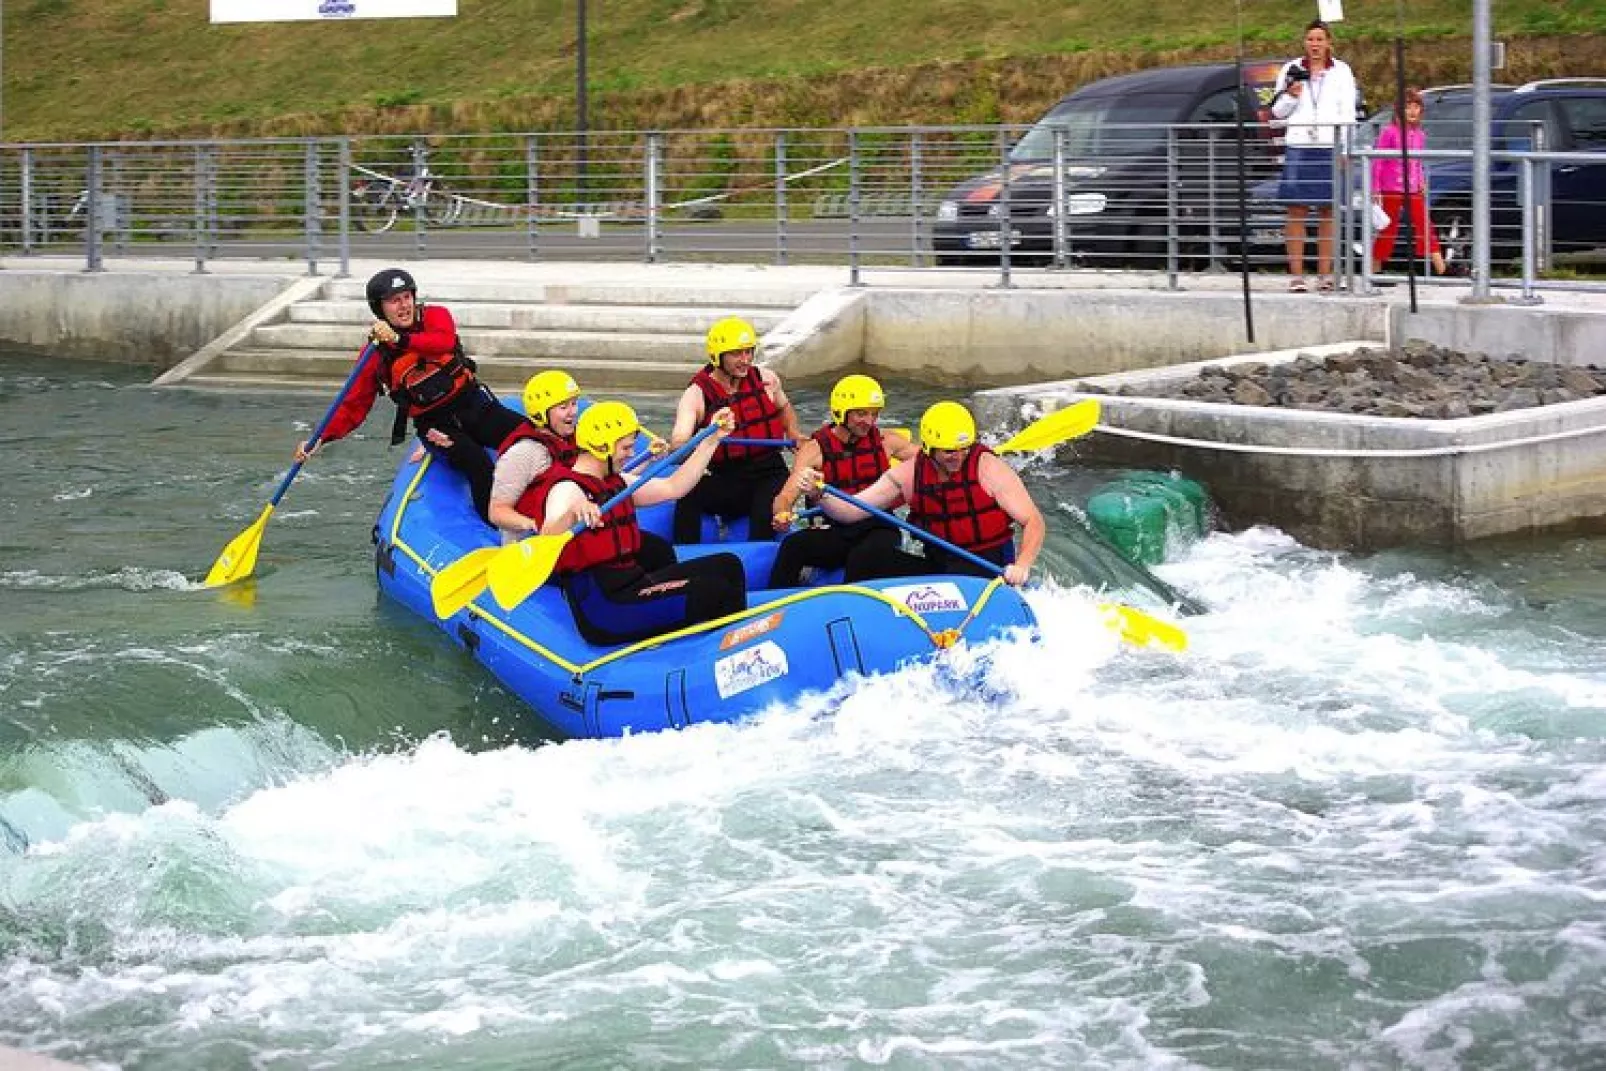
{"type": "Point", "coordinates": [386, 283]}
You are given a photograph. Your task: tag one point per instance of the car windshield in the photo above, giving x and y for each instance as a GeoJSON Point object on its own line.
{"type": "Point", "coordinates": [1090, 126]}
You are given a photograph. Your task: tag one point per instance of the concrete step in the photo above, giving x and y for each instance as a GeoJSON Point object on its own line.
{"type": "Point", "coordinates": [714, 295]}
{"type": "Point", "coordinates": [684, 349]}
{"type": "Point", "coordinates": [543, 317]}
{"type": "Point", "coordinates": [269, 368]}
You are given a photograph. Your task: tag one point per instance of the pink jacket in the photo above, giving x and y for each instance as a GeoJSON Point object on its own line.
{"type": "Point", "coordinates": [1386, 170]}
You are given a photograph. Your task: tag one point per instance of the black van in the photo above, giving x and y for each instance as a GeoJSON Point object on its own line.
{"type": "Point", "coordinates": [1118, 174]}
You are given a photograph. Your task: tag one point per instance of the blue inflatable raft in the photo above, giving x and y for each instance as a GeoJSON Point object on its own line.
{"type": "Point", "coordinates": [787, 643]}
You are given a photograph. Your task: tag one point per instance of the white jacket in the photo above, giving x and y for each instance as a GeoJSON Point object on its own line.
{"type": "Point", "coordinates": [1327, 102]}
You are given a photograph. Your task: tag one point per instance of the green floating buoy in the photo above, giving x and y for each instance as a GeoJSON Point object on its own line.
{"type": "Point", "coordinates": [1143, 514]}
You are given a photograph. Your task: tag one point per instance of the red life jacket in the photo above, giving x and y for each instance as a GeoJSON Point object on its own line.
{"type": "Point", "coordinates": [957, 509]}
{"type": "Point", "coordinates": [613, 545]}
{"type": "Point", "coordinates": [851, 467]}
{"type": "Point", "coordinates": [564, 452]}
{"type": "Point", "coordinates": [757, 415]}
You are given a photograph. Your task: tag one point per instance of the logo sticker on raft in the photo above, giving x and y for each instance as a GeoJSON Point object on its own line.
{"type": "Point", "coordinates": [751, 630]}
{"type": "Point", "coordinates": [929, 598]}
{"type": "Point", "coordinates": [745, 670]}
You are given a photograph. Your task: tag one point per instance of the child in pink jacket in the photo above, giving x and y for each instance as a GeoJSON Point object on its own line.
{"type": "Point", "coordinates": [1389, 188]}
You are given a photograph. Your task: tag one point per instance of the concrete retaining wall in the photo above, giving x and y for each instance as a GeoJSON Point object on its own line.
{"type": "Point", "coordinates": [1353, 482]}
{"type": "Point", "coordinates": [1536, 333]}
{"type": "Point", "coordinates": [137, 317]}
{"type": "Point", "coordinates": [981, 337]}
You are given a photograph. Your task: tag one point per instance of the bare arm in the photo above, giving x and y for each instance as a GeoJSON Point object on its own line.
{"type": "Point", "coordinates": [885, 494]}
{"type": "Point", "coordinates": [679, 485]}
{"type": "Point", "coordinates": [1004, 484]}
{"type": "Point", "coordinates": [772, 383]}
{"type": "Point", "coordinates": [688, 416]}
{"type": "Point", "coordinates": [565, 506]}
{"type": "Point", "coordinates": [516, 469]}
{"type": "Point", "coordinates": [809, 456]}
{"type": "Point", "coordinates": [899, 447]}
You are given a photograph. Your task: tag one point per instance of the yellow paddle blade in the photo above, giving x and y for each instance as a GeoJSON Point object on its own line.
{"type": "Point", "coordinates": [1141, 630]}
{"type": "Point", "coordinates": [518, 570]}
{"type": "Point", "coordinates": [461, 582]}
{"type": "Point", "coordinates": [1058, 426]}
{"type": "Point", "coordinates": [240, 556]}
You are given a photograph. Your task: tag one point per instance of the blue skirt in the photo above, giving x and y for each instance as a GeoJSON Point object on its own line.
{"type": "Point", "coordinates": [1307, 176]}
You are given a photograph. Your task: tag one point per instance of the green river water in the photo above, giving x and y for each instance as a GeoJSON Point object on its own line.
{"type": "Point", "coordinates": [1359, 824]}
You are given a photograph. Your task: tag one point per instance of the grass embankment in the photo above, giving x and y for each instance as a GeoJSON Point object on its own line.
{"type": "Point", "coordinates": [80, 69]}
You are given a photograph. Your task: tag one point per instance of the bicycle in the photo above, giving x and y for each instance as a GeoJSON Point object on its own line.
{"type": "Point", "coordinates": [377, 201]}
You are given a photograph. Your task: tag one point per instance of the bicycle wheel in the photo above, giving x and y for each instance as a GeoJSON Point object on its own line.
{"type": "Point", "coordinates": [440, 207]}
{"type": "Point", "coordinates": [374, 213]}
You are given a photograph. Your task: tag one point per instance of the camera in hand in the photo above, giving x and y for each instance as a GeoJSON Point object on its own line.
{"type": "Point", "coordinates": [1298, 74]}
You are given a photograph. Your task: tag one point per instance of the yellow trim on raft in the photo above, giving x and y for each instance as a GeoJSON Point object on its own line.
{"type": "Point", "coordinates": [943, 639]}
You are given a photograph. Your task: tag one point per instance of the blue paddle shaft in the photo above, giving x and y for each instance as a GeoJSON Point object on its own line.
{"type": "Point", "coordinates": [323, 425]}
{"type": "Point", "coordinates": [914, 530]}
{"type": "Point", "coordinates": [671, 458]}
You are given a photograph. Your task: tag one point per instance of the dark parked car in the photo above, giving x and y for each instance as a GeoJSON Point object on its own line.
{"type": "Point", "coordinates": [1564, 114]}
{"type": "Point", "coordinates": [1117, 180]}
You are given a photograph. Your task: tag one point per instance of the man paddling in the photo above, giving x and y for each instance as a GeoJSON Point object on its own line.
{"type": "Point", "coordinates": [850, 453]}
{"type": "Point", "coordinates": [422, 366]}
{"type": "Point", "coordinates": [958, 490]}
{"type": "Point", "coordinates": [742, 481]}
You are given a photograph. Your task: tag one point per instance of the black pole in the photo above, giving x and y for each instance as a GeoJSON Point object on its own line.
{"type": "Point", "coordinates": [1243, 197]}
{"type": "Point", "coordinates": [580, 124]}
{"type": "Point", "coordinates": [1408, 224]}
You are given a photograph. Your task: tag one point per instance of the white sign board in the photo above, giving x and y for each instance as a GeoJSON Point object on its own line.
{"type": "Point", "coordinates": [1330, 10]}
{"type": "Point", "coordinates": [315, 10]}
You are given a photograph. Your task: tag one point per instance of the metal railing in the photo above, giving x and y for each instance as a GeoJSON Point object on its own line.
{"type": "Point", "coordinates": [1162, 198]}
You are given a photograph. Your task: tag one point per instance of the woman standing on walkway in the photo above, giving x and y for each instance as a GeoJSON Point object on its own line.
{"type": "Point", "coordinates": [1315, 96]}
{"type": "Point", "coordinates": [1390, 192]}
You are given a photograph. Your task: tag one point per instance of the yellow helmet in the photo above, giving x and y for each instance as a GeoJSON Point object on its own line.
{"type": "Point", "coordinates": [603, 425]}
{"type": "Point", "coordinates": [947, 426]}
{"type": "Point", "coordinates": [731, 333]}
{"type": "Point", "coordinates": [546, 389]}
{"type": "Point", "coordinates": [855, 392]}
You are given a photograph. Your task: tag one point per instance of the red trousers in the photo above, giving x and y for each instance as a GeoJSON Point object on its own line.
{"type": "Point", "coordinates": [1427, 243]}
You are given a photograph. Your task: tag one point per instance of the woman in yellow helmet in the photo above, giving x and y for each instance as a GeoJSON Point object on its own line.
{"type": "Point", "coordinates": [613, 596]}
{"type": "Point", "coordinates": [545, 444]}
{"type": "Point", "coordinates": [742, 480]}
{"type": "Point", "coordinates": [958, 490]}
{"type": "Point", "coordinates": [851, 453]}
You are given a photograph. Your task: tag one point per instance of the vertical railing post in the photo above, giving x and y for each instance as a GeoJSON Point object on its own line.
{"type": "Point", "coordinates": [653, 182]}
{"type": "Point", "coordinates": [412, 190]}
{"type": "Point", "coordinates": [783, 210]}
{"type": "Point", "coordinates": [1368, 236]}
{"type": "Point", "coordinates": [1212, 201]}
{"type": "Point", "coordinates": [92, 252]}
{"type": "Point", "coordinates": [1006, 233]}
{"type": "Point", "coordinates": [917, 216]}
{"type": "Point", "coordinates": [853, 209]}
{"type": "Point", "coordinates": [114, 168]}
{"type": "Point", "coordinates": [198, 224]}
{"type": "Point", "coordinates": [1171, 166]}
{"type": "Point", "coordinates": [310, 202]}
{"type": "Point", "coordinates": [344, 195]}
{"type": "Point", "coordinates": [27, 202]}
{"type": "Point", "coordinates": [1061, 242]}
{"type": "Point", "coordinates": [1531, 212]}
{"type": "Point", "coordinates": [532, 195]}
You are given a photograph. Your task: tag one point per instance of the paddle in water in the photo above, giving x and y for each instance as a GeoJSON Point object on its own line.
{"type": "Point", "coordinates": [239, 557]}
